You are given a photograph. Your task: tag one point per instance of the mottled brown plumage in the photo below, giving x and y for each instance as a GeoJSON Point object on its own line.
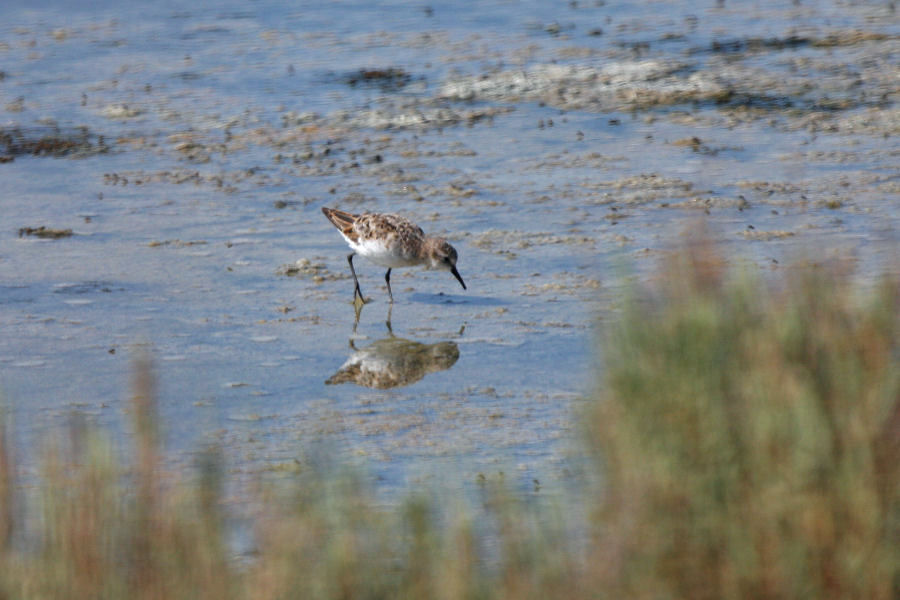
{"type": "Point", "coordinates": [392, 241]}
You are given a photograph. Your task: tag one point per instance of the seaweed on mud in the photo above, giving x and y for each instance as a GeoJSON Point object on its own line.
{"type": "Point", "coordinates": [45, 232]}
{"type": "Point", "coordinates": [734, 98]}
{"type": "Point", "coordinates": [50, 141]}
{"type": "Point", "coordinates": [798, 104]}
{"type": "Point", "coordinates": [729, 46]}
{"type": "Point", "coordinates": [758, 44]}
{"type": "Point", "coordinates": [390, 78]}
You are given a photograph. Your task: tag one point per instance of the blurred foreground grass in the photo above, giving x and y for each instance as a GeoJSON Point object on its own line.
{"type": "Point", "coordinates": [747, 435]}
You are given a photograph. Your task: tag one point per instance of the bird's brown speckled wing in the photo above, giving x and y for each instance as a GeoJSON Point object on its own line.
{"type": "Point", "coordinates": [387, 227]}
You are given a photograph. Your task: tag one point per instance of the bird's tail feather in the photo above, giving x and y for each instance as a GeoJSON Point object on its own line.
{"type": "Point", "coordinates": [342, 220]}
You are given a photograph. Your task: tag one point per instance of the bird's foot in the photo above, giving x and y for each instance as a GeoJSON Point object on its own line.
{"type": "Point", "coordinates": [359, 302]}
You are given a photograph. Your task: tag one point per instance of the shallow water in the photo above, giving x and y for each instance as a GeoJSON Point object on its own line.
{"type": "Point", "coordinates": [561, 147]}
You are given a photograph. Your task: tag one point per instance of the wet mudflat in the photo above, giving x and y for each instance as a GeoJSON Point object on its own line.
{"type": "Point", "coordinates": [561, 147]}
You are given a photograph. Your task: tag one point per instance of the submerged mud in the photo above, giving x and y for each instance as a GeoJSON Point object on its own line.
{"type": "Point", "coordinates": [49, 141]}
{"type": "Point", "coordinates": [562, 149]}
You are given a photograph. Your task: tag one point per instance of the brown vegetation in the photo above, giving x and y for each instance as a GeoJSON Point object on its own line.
{"type": "Point", "coordinates": [747, 437]}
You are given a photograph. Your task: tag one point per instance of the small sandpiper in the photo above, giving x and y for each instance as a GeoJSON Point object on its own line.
{"type": "Point", "coordinates": [391, 241]}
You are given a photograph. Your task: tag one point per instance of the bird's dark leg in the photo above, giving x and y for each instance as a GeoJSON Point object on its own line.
{"type": "Point", "coordinates": [357, 309]}
{"type": "Point", "coordinates": [387, 278]}
{"type": "Point", "coordinates": [388, 322]}
{"type": "Point", "coordinates": [357, 291]}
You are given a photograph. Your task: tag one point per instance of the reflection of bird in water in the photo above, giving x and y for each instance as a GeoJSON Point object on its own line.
{"type": "Point", "coordinates": [394, 362]}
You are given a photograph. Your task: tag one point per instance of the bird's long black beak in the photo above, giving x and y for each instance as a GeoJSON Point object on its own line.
{"type": "Point", "coordinates": [458, 277]}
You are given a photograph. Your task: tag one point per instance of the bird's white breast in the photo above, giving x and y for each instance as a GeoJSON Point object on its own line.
{"type": "Point", "coordinates": [390, 255]}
